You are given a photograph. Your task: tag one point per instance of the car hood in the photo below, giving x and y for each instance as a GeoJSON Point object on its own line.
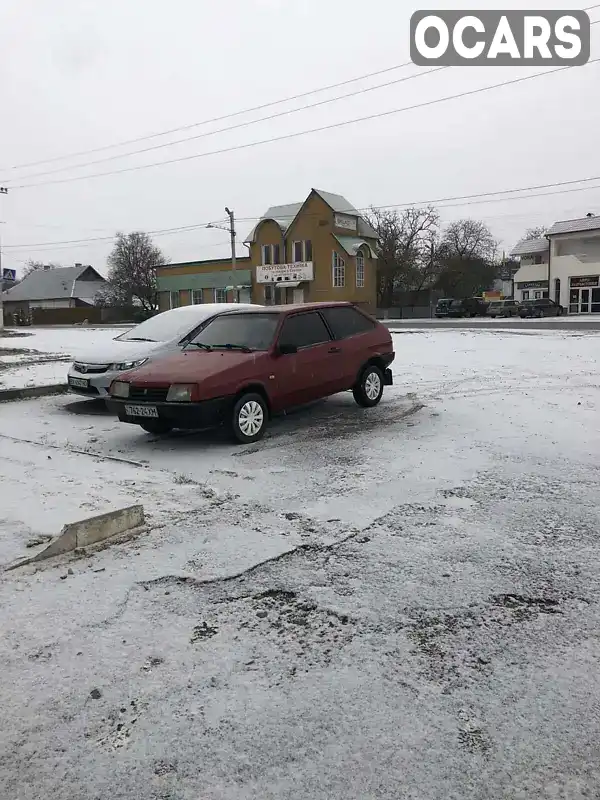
{"type": "Point", "coordinates": [116, 352]}
{"type": "Point", "coordinates": [190, 366]}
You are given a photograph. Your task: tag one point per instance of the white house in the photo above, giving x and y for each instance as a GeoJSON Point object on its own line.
{"type": "Point", "coordinates": [565, 266]}
{"type": "Point", "coordinates": [531, 279]}
{"type": "Point", "coordinates": [575, 264]}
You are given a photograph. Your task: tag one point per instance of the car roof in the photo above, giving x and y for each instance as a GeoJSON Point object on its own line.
{"type": "Point", "coordinates": [291, 308]}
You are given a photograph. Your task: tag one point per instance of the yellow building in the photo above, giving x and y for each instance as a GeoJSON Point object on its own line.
{"type": "Point", "coordinates": [317, 250]}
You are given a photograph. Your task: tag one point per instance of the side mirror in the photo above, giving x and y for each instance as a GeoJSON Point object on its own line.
{"type": "Point", "coordinates": [287, 349]}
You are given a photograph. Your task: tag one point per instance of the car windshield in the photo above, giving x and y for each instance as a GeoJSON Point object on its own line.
{"type": "Point", "coordinates": [527, 302]}
{"type": "Point", "coordinates": [496, 304]}
{"type": "Point", "coordinates": [166, 326]}
{"type": "Point", "coordinates": [238, 331]}
{"type": "Point", "coordinates": [456, 303]}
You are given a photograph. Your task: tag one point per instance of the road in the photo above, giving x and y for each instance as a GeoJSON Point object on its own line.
{"type": "Point", "coordinates": [394, 604]}
{"type": "Point", "coordinates": [550, 324]}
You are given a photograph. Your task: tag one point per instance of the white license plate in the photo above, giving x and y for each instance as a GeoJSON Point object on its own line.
{"type": "Point", "coordinates": [141, 411]}
{"type": "Point", "coordinates": [80, 383]}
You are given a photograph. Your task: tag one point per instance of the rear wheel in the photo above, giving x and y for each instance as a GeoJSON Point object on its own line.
{"type": "Point", "coordinates": [250, 416]}
{"type": "Point", "coordinates": [156, 426]}
{"type": "Point", "coordinates": [369, 388]}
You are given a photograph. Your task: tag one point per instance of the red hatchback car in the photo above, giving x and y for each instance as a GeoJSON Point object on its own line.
{"type": "Point", "coordinates": [249, 364]}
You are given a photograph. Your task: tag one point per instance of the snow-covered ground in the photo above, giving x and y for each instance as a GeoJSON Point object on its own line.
{"type": "Point", "coordinates": [40, 356]}
{"type": "Point", "coordinates": [395, 603]}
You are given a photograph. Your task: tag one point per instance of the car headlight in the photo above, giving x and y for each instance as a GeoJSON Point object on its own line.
{"type": "Point", "coordinates": [181, 393]}
{"type": "Point", "coordinates": [126, 365]}
{"type": "Point", "coordinates": [119, 389]}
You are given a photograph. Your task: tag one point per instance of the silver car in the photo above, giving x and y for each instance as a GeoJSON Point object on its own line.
{"type": "Point", "coordinates": [92, 374]}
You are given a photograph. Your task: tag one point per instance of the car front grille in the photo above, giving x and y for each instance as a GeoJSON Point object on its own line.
{"type": "Point", "coordinates": [151, 394]}
{"type": "Point", "coordinates": [90, 369]}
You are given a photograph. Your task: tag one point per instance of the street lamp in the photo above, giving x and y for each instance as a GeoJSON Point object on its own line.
{"type": "Point", "coordinates": [3, 191]}
{"type": "Point", "coordinates": [231, 230]}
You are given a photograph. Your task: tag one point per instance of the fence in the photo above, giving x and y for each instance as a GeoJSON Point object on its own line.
{"type": "Point", "coordinates": [406, 312]}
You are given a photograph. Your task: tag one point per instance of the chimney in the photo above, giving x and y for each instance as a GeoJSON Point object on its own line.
{"type": "Point", "coordinates": [47, 267]}
{"type": "Point", "coordinates": [78, 265]}
{"type": "Point", "coordinates": [589, 214]}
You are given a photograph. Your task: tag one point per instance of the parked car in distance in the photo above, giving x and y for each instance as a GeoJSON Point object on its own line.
{"type": "Point", "coordinates": [247, 365]}
{"type": "Point", "coordinates": [503, 308]}
{"type": "Point", "coordinates": [469, 307]}
{"type": "Point", "coordinates": [442, 306]}
{"type": "Point", "coordinates": [543, 307]}
{"type": "Point", "coordinates": [92, 374]}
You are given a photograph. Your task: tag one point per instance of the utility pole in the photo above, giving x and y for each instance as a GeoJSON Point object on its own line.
{"type": "Point", "coordinates": [3, 190]}
{"type": "Point", "coordinates": [233, 261]}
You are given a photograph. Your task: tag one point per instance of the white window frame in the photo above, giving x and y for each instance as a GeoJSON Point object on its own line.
{"type": "Point", "coordinates": [338, 271]}
{"type": "Point", "coordinates": [176, 293]}
{"type": "Point", "coordinates": [303, 255]}
{"type": "Point", "coordinates": [197, 292]}
{"type": "Point", "coordinates": [360, 270]}
{"type": "Point", "coordinates": [215, 296]}
{"type": "Point", "coordinates": [525, 294]}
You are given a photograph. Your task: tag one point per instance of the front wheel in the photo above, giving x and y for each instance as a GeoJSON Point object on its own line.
{"type": "Point", "coordinates": [156, 426]}
{"type": "Point", "coordinates": [249, 418]}
{"type": "Point", "coordinates": [369, 388]}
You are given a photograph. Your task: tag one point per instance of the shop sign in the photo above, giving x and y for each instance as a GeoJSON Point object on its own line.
{"type": "Point", "coordinates": [281, 273]}
{"type": "Point", "coordinates": [584, 281]}
{"type": "Point", "coordinates": [533, 285]}
{"type": "Point", "coordinates": [344, 222]}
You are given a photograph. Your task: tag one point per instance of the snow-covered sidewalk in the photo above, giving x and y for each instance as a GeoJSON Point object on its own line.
{"type": "Point", "coordinates": [402, 602]}
{"type": "Point", "coordinates": [40, 356]}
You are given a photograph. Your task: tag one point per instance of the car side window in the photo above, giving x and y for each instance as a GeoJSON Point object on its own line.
{"type": "Point", "coordinates": [304, 330]}
{"type": "Point", "coordinates": [345, 321]}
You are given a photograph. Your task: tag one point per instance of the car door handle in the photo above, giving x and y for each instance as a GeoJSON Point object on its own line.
{"type": "Point", "coordinates": [335, 349]}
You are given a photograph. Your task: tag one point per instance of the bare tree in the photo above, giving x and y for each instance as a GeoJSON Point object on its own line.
{"type": "Point", "coordinates": [34, 266]}
{"type": "Point", "coordinates": [535, 233]}
{"type": "Point", "coordinates": [469, 238]}
{"type": "Point", "coordinates": [406, 244]}
{"type": "Point", "coordinates": [132, 273]}
{"type": "Point", "coordinates": [466, 257]}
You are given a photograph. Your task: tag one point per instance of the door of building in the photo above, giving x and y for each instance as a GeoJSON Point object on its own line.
{"type": "Point", "coordinates": [584, 301]}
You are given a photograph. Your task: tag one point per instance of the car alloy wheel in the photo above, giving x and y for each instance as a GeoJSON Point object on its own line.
{"type": "Point", "coordinates": [249, 418]}
{"type": "Point", "coordinates": [369, 387]}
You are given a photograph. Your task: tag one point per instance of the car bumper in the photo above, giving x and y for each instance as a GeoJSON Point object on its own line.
{"type": "Point", "coordinates": [90, 384]}
{"type": "Point", "coordinates": [191, 416]}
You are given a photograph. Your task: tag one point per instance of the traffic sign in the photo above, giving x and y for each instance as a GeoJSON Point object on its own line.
{"type": "Point", "coordinates": [9, 274]}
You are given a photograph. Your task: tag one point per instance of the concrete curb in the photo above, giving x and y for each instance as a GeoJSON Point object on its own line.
{"type": "Point", "coordinates": [89, 531]}
{"type": "Point", "coordinates": [32, 391]}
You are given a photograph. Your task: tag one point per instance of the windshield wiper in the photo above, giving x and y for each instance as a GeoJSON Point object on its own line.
{"type": "Point", "coordinates": [200, 345]}
{"type": "Point", "coordinates": [244, 348]}
{"type": "Point", "coordinates": [138, 339]}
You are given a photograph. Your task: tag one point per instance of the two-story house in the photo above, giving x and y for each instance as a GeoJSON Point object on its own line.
{"type": "Point", "coordinates": [531, 279]}
{"type": "Point", "coordinates": [565, 266]}
{"type": "Point", "coordinates": [318, 250]}
{"type": "Point", "coordinates": [575, 264]}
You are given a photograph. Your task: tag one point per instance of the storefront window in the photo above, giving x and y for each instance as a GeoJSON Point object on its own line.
{"type": "Point", "coordinates": [596, 301]}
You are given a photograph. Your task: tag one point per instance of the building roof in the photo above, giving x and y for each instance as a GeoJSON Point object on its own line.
{"type": "Point", "coordinates": [529, 247]}
{"type": "Point", "coordinates": [286, 214]}
{"type": "Point", "coordinates": [199, 262]}
{"type": "Point", "coordinates": [575, 225]}
{"type": "Point", "coordinates": [50, 284]}
{"type": "Point", "coordinates": [352, 244]}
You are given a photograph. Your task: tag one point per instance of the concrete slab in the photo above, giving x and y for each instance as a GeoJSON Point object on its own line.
{"type": "Point", "coordinates": [89, 531]}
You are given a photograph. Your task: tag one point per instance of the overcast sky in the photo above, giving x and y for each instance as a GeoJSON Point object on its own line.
{"type": "Point", "coordinates": [76, 75]}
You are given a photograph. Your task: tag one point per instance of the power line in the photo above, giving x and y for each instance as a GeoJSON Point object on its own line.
{"type": "Point", "coordinates": [235, 127]}
{"type": "Point", "coordinates": [441, 202]}
{"type": "Point", "coordinates": [297, 134]}
{"type": "Point", "coordinates": [231, 115]}
{"type": "Point", "coordinates": [191, 125]}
